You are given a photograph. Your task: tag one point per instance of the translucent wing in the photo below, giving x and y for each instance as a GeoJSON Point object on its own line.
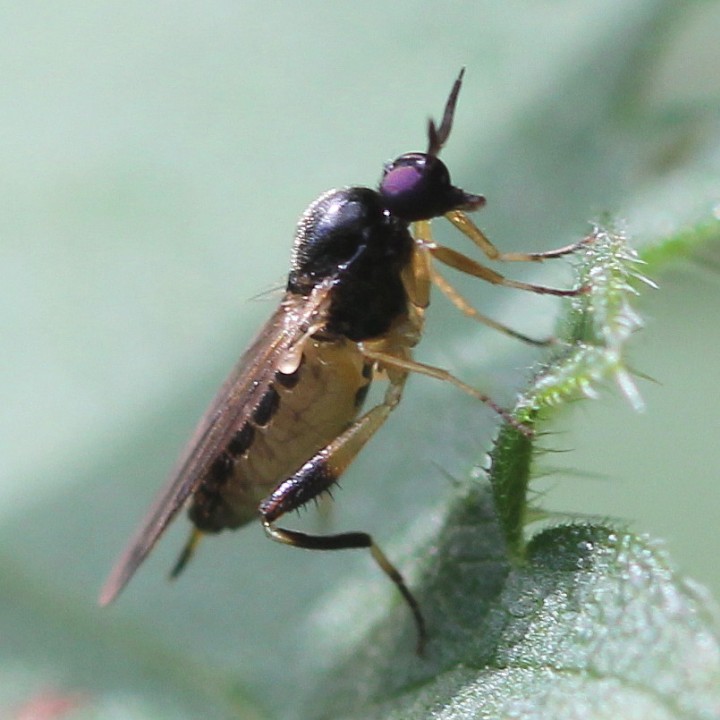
{"type": "Point", "coordinates": [231, 408]}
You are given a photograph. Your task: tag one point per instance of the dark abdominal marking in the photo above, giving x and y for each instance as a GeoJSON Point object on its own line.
{"type": "Point", "coordinates": [242, 440]}
{"type": "Point", "coordinates": [267, 407]}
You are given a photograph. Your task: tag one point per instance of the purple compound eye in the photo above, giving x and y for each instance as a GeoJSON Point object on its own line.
{"type": "Point", "coordinates": [417, 186]}
{"type": "Point", "coordinates": [399, 180]}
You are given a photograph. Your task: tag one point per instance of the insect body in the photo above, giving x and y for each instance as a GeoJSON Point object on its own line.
{"type": "Point", "coordinates": [288, 421]}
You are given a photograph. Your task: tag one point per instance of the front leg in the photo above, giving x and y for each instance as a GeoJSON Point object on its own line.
{"type": "Point", "coordinates": [318, 475]}
{"type": "Point", "coordinates": [468, 228]}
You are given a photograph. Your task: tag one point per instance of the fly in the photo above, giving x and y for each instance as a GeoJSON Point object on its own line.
{"type": "Point", "coordinates": [288, 421]}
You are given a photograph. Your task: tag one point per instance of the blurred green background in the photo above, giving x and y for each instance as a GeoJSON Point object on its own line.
{"type": "Point", "coordinates": [154, 160]}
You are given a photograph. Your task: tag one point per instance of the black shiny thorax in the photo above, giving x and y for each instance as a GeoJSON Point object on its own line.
{"type": "Point", "coordinates": [349, 235]}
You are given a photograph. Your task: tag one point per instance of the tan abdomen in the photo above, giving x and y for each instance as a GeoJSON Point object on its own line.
{"type": "Point", "coordinates": [299, 415]}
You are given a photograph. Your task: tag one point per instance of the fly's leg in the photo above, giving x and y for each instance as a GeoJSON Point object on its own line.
{"type": "Point", "coordinates": [407, 365]}
{"type": "Point", "coordinates": [417, 275]}
{"type": "Point", "coordinates": [463, 263]}
{"type": "Point", "coordinates": [349, 541]}
{"type": "Point", "coordinates": [468, 228]}
{"type": "Point", "coordinates": [318, 475]}
{"type": "Point", "coordinates": [186, 553]}
{"type": "Point", "coordinates": [467, 309]}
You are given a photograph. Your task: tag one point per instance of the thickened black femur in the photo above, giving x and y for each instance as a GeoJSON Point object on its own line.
{"type": "Point", "coordinates": [349, 235]}
{"type": "Point", "coordinates": [417, 186]}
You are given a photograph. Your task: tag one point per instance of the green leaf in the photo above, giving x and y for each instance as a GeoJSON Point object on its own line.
{"type": "Point", "coordinates": [597, 624]}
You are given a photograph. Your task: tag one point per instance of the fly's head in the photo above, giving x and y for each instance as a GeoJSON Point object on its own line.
{"type": "Point", "coordinates": [417, 186]}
